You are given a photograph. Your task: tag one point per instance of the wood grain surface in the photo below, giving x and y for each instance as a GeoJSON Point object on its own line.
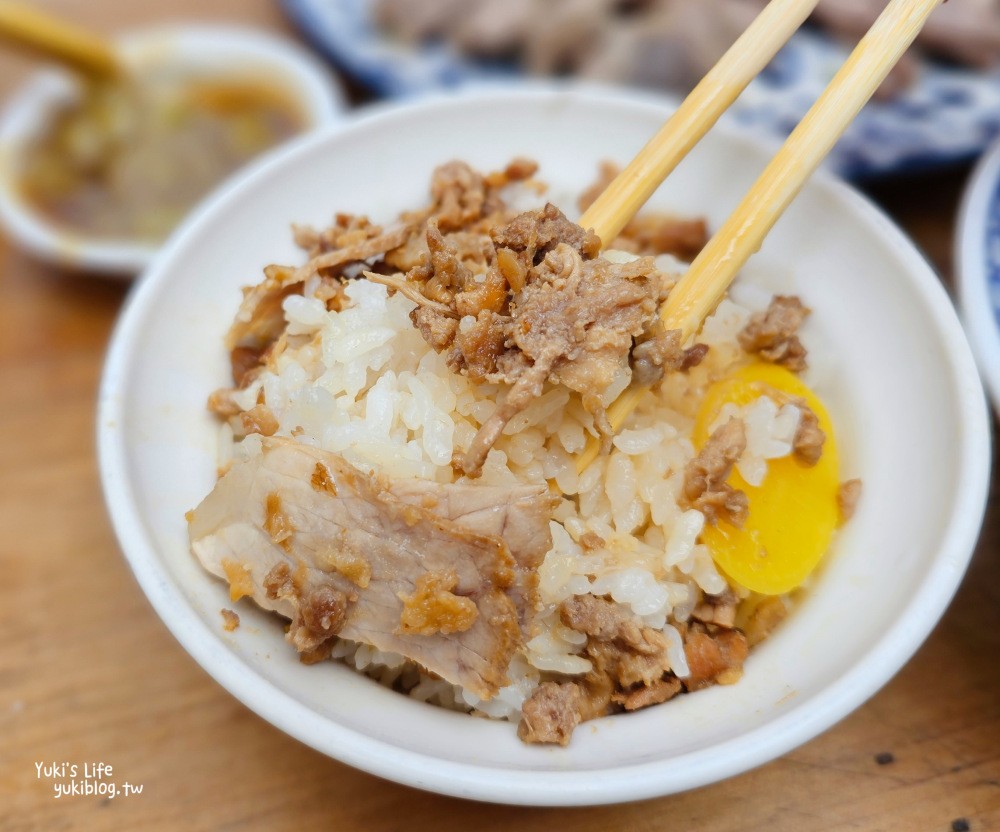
{"type": "Point", "coordinates": [88, 674]}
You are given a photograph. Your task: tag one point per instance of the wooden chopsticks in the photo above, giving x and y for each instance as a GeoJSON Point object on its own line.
{"type": "Point", "coordinates": [708, 277]}
{"type": "Point", "coordinates": [746, 58]}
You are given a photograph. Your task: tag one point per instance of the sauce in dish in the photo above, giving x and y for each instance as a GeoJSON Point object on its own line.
{"type": "Point", "coordinates": [127, 159]}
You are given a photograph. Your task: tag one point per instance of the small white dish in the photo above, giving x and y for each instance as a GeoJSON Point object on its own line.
{"type": "Point", "coordinates": [977, 265]}
{"type": "Point", "coordinates": [204, 49]}
{"type": "Point", "coordinates": [902, 388]}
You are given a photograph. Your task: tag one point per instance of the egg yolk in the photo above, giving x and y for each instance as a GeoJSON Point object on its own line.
{"type": "Point", "coordinates": [793, 513]}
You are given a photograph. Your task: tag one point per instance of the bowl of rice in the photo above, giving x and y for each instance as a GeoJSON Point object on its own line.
{"type": "Point", "coordinates": [385, 547]}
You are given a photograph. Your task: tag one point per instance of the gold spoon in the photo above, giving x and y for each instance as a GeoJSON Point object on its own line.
{"type": "Point", "coordinates": [67, 43]}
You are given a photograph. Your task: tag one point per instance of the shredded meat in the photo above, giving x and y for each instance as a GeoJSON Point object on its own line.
{"type": "Point", "coordinates": [450, 274]}
{"type": "Point", "coordinates": [807, 445]}
{"type": "Point", "coordinates": [260, 319]}
{"type": "Point", "coordinates": [600, 619]}
{"type": "Point", "coordinates": [628, 665]}
{"type": "Point", "coordinates": [534, 234]}
{"type": "Point", "coordinates": [654, 694]}
{"type": "Point", "coordinates": [847, 499]}
{"type": "Point", "coordinates": [551, 713]}
{"type": "Point", "coordinates": [650, 232]}
{"type": "Point", "coordinates": [772, 334]}
{"type": "Point", "coordinates": [630, 671]}
{"type": "Point", "coordinates": [517, 300]}
{"type": "Point", "coordinates": [347, 231]}
{"type": "Point", "coordinates": [660, 351]}
{"type": "Point", "coordinates": [478, 347]}
{"type": "Point", "coordinates": [518, 169]}
{"type": "Point", "coordinates": [488, 296]}
{"type": "Point", "coordinates": [654, 233]}
{"type": "Point", "coordinates": [444, 251]}
{"type": "Point", "coordinates": [437, 329]}
{"type": "Point", "coordinates": [705, 486]}
{"type": "Point", "coordinates": [373, 244]}
{"type": "Point", "coordinates": [592, 308]}
{"type": "Point", "coordinates": [598, 689]}
{"type": "Point", "coordinates": [459, 195]}
{"type": "Point", "coordinates": [714, 658]}
{"type": "Point", "coordinates": [529, 304]}
{"type": "Point", "coordinates": [574, 324]}
{"type": "Point", "coordinates": [322, 613]}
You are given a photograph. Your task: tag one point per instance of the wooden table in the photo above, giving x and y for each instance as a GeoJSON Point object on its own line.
{"type": "Point", "coordinates": [88, 674]}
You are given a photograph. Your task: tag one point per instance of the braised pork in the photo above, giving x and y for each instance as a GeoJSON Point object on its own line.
{"type": "Point", "coordinates": [573, 323]}
{"type": "Point", "coordinates": [773, 333]}
{"type": "Point", "coordinates": [705, 486]}
{"type": "Point", "coordinates": [337, 552]}
{"type": "Point", "coordinates": [630, 670]}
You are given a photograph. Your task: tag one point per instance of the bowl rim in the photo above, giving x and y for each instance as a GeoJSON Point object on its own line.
{"type": "Point", "coordinates": [316, 89]}
{"type": "Point", "coordinates": [980, 314]}
{"type": "Point", "coordinates": [871, 671]}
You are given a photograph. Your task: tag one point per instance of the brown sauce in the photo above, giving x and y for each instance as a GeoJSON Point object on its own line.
{"type": "Point", "coordinates": [128, 159]}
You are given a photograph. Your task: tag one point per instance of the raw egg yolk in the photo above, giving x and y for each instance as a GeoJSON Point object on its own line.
{"type": "Point", "coordinates": [793, 513]}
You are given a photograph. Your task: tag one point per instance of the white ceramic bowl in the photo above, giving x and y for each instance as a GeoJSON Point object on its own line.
{"type": "Point", "coordinates": [977, 264]}
{"type": "Point", "coordinates": [903, 392]}
{"type": "Point", "coordinates": [205, 50]}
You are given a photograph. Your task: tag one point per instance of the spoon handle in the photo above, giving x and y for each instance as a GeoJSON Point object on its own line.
{"type": "Point", "coordinates": [78, 48]}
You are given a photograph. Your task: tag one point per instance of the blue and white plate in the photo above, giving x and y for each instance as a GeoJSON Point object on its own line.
{"type": "Point", "coordinates": [977, 257]}
{"type": "Point", "coordinates": [950, 115]}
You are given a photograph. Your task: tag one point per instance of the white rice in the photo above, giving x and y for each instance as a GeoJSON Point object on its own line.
{"type": "Point", "coordinates": [363, 382]}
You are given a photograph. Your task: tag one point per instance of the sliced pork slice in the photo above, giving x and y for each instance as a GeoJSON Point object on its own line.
{"type": "Point", "coordinates": [313, 538]}
{"type": "Point", "coordinates": [518, 515]}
